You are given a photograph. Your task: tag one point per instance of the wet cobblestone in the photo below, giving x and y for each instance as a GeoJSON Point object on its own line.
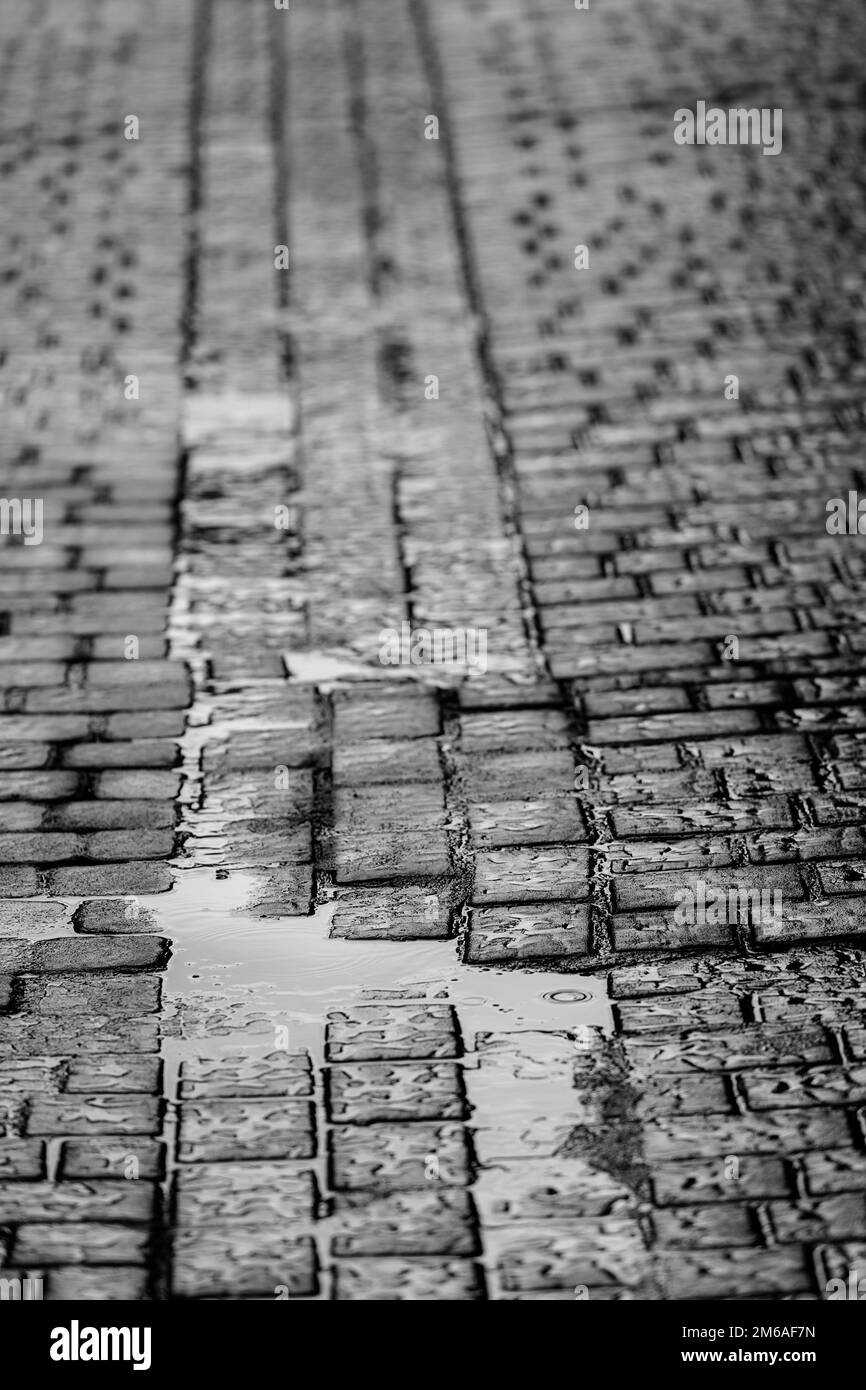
{"type": "Point", "coordinates": [434, 416]}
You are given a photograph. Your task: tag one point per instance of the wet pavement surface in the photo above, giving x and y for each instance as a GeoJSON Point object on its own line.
{"type": "Point", "coordinates": [330, 969]}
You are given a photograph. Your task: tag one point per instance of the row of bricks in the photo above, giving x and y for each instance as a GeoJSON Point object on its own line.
{"type": "Point", "coordinates": [20, 585]}
{"type": "Point", "coordinates": [141, 784]}
{"type": "Point", "coordinates": [87, 815]}
{"type": "Point", "coordinates": [84, 646]}
{"type": "Point", "coordinates": [563, 932]}
{"type": "Point", "coordinates": [722, 1012]}
{"type": "Point", "coordinates": [34, 1244]}
{"type": "Point", "coordinates": [745, 690]}
{"type": "Point", "coordinates": [162, 701]}
{"type": "Point", "coordinates": [604, 659]}
{"type": "Point", "coordinates": [137, 951]}
{"type": "Point", "coordinates": [101, 845]}
{"type": "Point", "coordinates": [84, 678]}
{"type": "Point", "coordinates": [80, 1113]}
{"type": "Point", "coordinates": [841, 1218]}
{"type": "Point", "coordinates": [395, 1158]}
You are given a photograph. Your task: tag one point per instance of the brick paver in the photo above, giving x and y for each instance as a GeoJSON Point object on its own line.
{"type": "Point", "coordinates": [298, 352]}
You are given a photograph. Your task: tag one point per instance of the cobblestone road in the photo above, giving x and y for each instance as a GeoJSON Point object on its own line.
{"type": "Point", "coordinates": [354, 317]}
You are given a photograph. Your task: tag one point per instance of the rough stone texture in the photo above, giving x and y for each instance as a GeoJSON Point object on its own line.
{"type": "Point", "coordinates": [248, 1128]}
{"type": "Point", "coordinates": [405, 1280]}
{"type": "Point", "coordinates": [363, 1094]}
{"type": "Point", "coordinates": [379, 1032]}
{"type": "Point", "coordinates": [232, 1262]}
{"type": "Point", "coordinates": [397, 1157]}
{"type": "Point", "coordinates": [673, 700]}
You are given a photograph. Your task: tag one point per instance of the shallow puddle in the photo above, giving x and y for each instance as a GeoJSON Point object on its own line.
{"type": "Point", "coordinates": [229, 965]}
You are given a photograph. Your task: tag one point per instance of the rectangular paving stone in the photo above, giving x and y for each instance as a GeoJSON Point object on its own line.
{"type": "Point", "coordinates": [105, 1156]}
{"type": "Point", "coordinates": [399, 1157]}
{"type": "Point", "coordinates": [386, 761]}
{"type": "Point", "coordinates": [789, 1006]}
{"type": "Point", "coordinates": [845, 877]}
{"type": "Point", "coordinates": [636, 892]}
{"type": "Point", "coordinates": [382, 1032]}
{"type": "Point", "coordinates": [380, 811]}
{"type": "Point", "coordinates": [28, 1035]}
{"type": "Point", "coordinates": [705, 1228]}
{"type": "Point", "coordinates": [107, 880]}
{"type": "Point", "coordinates": [236, 1261]}
{"type": "Point", "coordinates": [659, 786]}
{"type": "Point", "coordinates": [274, 1074]}
{"type": "Point", "coordinates": [137, 785]}
{"type": "Point", "coordinates": [121, 915]}
{"type": "Point", "coordinates": [385, 714]}
{"type": "Point", "coordinates": [407, 913]}
{"type": "Point", "coordinates": [61, 954]}
{"type": "Point", "coordinates": [531, 874]}
{"type": "Point", "coordinates": [77, 1201]}
{"type": "Point", "coordinates": [267, 748]}
{"type": "Point", "coordinates": [645, 699]}
{"type": "Point", "coordinates": [680, 725]}
{"type": "Point", "coordinates": [85, 1243]}
{"type": "Point", "coordinates": [408, 1280]}
{"type": "Point", "coordinates": [785, 1088]}
{"type": "Point", "coordinates": [755, 1045]}
{"type": "Point", "coordinates": [750, 1177]}
{"type": "Point", "coordinates": [554, 820]}
{"type": "Point", "coordinates": [42, 849]}
{"type": "Point", "coordinates": [527, 933]}
{"type": "Point", "coordinates": [680, 854]}
{"type": "Point", "coordinates": [602, 659]}
{"type": "Point", "coordinates": [92, 991]}
{"type": "Point", "coordinates": [703, 1010]}
{"type": "Point", "coordinates": [426, 1222]}
{"type": "Point", "coordinates": [370, 858]}
{"type": "Point", "coordinates": [734, 1273]}
{"type": "Point", "coordinates": [788, 1132]}
{"type": "Point", "coordinates": [18, 882]}
{"type": "Point", "coordinates": [140, 844]}
{"type": "Point", "coordinates": [33, 919]}
{"type": "Point", "coordinates": [282, 891]}
{"type": "Point", "coordinates": [839, 1217]}
{"type": "Point", "coordinates": [126, 753]}
{"type": "Point", "coordinates": [32, 1076]}
{"type": "Point", "coordinates": [108, 1073]}
{"type": "Point", "coordinates": [506, 776]}
{"type": "Point", "coordinates": [249, 1128]}
{"type": "Point", "coordinates": [96, 1284]}
{"type": "Point", "coordinates": [504, 692]}
{"type": "Point", "coordinates": [837, 1170]}
{"type": "Point", "coordinates": [654, 931]}
{"type": "Point", "coordinates": [366, 1093]}
{"type": "Point", "coordinates": [22, 757]}
{"type": "Point", "coordinates": [94, 1114]}
{"type": "Point", "coordinates": [252, 1193]}
{"type": "Point", "coordinates": [683, 1095]}
{"type": "Point", "coordinates": [514, 728]}
{"type": "Point", "coordinates": [720, 817]}
{"type": "Point", "coordinates": [813, 921]}
{"type": "Point", "coordinates": [109, 815]}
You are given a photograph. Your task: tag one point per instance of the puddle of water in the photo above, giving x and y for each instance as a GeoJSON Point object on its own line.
{"type": "Point", "coordinates": [290, 969]}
